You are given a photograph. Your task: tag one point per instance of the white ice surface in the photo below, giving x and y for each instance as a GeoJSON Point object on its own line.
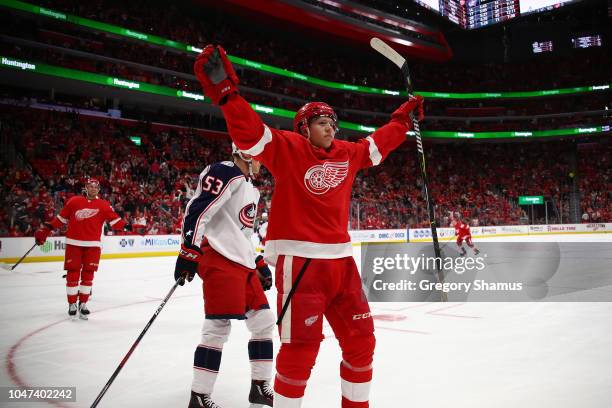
{"type": "Point", "coordinates": [428, 354]}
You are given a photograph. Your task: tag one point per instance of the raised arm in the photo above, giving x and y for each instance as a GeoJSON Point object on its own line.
{"type": "Point", "coordinates": [220, 82]}
{"type": "Point", "coordinates": [375, 148]}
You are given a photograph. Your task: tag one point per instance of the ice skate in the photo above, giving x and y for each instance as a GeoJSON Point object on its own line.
{"type": "Point", "coordinates": [463, 252]}
{"type": "Point", "coordinates": [261, 394]}
{"type": "Point", "coordinates": [83, 311]}
{"type": "Point", "coordinates": [201, 401]}
{"type": "Point", "coordinates": [72, 310]}
{"type": "Point", "coordinates": [476, 251]}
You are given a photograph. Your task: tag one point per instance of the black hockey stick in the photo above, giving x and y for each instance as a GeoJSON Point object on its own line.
{"type": "Point", "coordinates": [21, 259]}
{"type": "Point", "coordinates": [292, 291]}
{"type": "Point", "coordinates": [142, 333]}
{"type": "Point", "coordinates": [400, 61]}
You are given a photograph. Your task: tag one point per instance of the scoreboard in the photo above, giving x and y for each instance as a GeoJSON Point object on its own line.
{"type": "Point", "coordinates": [481, 13]}
{"type": "Point", "coordinates": [587, 41]}
{"type": "Point", "coordinates": [453, 10]}
{"type": "Point", "coordinates": [542, 46]}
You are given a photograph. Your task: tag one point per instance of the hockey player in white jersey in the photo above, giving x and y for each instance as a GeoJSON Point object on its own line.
{"type": "Point", "coordinates": [216, 244]}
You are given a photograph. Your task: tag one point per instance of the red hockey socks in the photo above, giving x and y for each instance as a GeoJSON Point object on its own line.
{"type": "Point", "coordinates": [72, 285]}
{"type": "Point", "coordinates": [85, 288]}
{"type": "Point", "coordinates": [294, 363]}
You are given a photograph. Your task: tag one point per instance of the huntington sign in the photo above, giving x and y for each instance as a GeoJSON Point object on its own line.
{"type": "Point", "coordinates": [530, 200]}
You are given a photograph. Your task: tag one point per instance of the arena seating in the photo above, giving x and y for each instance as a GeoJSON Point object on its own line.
{"type": "Point", "coordinates": [155, 180]}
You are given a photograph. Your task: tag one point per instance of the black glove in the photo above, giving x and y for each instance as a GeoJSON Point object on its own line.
{"type": "Point", "coordinates": [263, 273]}
{"type": "Point", "coordinates": [187, 263]}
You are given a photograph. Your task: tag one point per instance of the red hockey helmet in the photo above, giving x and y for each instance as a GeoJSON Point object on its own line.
{"type": "Point", "coordinates": [93, 181]}
{"type": "Point", "coordinates": [310, 111]}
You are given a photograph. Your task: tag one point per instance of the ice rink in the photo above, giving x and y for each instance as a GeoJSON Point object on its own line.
{"type": "Point", "coordinates": [529, 355]}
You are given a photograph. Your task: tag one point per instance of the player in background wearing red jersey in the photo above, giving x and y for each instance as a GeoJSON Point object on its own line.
{"type": "Point", "coordinates": [462, 232]}
{"type": "Point", "coordinates": [85, 216]}
{"type": "Point", "coordinates": [313, 174]}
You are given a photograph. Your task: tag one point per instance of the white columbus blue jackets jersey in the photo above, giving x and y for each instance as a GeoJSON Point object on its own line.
{"type": "Point", "coordinates": [222, 213]}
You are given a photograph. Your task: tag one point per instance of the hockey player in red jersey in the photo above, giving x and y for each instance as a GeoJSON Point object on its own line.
{"type": "Point", "coordinates": [313, 173]}
{"type": "Point", "coordinates": [85, 216]}
{"type": "Point", "coordinates": [216, 244]}
{"type": "Point", "coordinates": [462, 232]}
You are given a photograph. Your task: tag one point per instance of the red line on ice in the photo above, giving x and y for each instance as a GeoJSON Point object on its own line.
{"type": "Point", "coordinates": [10, 363]}
{"type": "Point", "coordinates": [402, 330]}
{"type": "Point", "coordinates": [11, 367]}
{"type": "Point", "coordinates": [436, 312]}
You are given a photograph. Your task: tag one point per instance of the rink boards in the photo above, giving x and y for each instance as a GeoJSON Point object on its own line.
{"type": "Point", "coordinates": [135, 246]}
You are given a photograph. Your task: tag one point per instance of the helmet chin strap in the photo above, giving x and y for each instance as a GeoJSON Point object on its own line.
{"type": "Point", "coordinates": [306, 133]}
{"type": "Point", "coordinates": [250, 163]}
{"type": "Point", "coordinates": [87, 194]}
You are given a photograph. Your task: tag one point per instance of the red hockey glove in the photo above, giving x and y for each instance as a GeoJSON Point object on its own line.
{"type": "Point", "coordinates": [140, 230]}
{"type": "Point", "coordinates": [263, 273]}
{"type": "Point", "coordinates": [119, 225]}
{"type": "Point", "coordinates": [402, 114]}
{"type": "Point", "coordinates": [216, 74]}
{"type": "Point", "coordinates": [187, 263]}
{"type": "Point", "coordinates": [41, 235]}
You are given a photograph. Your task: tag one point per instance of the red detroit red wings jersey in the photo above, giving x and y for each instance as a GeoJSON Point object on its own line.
{"type": "Point", "coordinates": [462, 229]}
{"type": "Point", "coordinates": [311, 199]}
{"type": "Point", "coordinates": [85, 219]}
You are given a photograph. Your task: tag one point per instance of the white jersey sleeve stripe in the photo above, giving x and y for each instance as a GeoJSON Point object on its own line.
{"type": "Point", "coordinates": [113, 222]}
{"type": "Point", "coordinates": [196, 194]}
{"type": "Point", "coordinates": [261, 144]}
{"type": "Point", "coordinates": [375, 155]}
{"type": "Point", "coordinates": [62, 219]}
{"type": "Point", "coordinates": [212, 208]}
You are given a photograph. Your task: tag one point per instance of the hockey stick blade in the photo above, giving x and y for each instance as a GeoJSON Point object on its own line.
{"type": "Point", "coordinates": [388, 52]}
{"type": "Point", "coordinates": [393, 56]}
{"type": "Point", "coordinates": [11, 268]}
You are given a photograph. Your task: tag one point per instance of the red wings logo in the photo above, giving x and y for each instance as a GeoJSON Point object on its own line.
{"type": "Point", "coordinates": [320, 178]}
{"type": "Point", "coordinates": [86, 213]}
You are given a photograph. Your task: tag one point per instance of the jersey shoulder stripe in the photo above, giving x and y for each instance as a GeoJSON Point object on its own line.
{"type": "Point", "coordinates": [213, 183]}
{"type": "Point", "coordinates": [224, 170]}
